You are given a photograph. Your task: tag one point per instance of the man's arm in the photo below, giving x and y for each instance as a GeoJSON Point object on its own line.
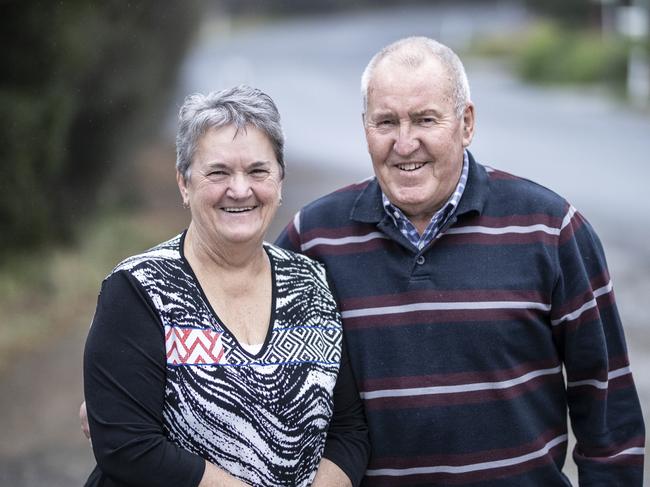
{"type": "Point", "coordinates": [603, 402]}
{"type": "Point", "coordinates": [289, 238]}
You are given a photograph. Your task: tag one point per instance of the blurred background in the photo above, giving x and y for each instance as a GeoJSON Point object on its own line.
{"type": "Point", "coordinates": [89, 92]}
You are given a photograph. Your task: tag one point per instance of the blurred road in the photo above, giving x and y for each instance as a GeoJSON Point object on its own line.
{"type": "Point", "coordinates": [585, 146]}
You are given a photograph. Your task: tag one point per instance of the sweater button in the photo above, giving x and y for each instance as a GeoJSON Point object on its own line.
{"type": "Point", "coordinates": [420, 260]}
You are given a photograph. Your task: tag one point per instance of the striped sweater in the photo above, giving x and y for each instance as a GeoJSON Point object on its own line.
{"type": "Point", "coordinates": [461, 349]}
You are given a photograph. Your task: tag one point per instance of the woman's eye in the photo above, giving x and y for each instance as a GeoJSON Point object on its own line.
{"type": "Point", "coordinates": [259, 173]}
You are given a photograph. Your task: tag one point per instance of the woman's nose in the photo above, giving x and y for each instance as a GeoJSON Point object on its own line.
{"type": "Point", "coordinates": [239, 186]}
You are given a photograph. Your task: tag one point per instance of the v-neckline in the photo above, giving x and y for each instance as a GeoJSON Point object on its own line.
{"type": "Point", "coordinates": [215, 316]}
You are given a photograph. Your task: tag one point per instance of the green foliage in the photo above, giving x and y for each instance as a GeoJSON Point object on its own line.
{"type": "Point", "coordinates": [572, 13]}
{"type": "Point", "coordinates": [80, 81]}
{"type": "Point", "coordinates": [554, 55]}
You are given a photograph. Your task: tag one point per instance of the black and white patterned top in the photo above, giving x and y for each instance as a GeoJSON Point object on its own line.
{"type": "Point", "coordinates": [264, 418]}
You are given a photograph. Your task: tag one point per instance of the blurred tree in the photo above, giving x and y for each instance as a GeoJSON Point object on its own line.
{"type": "Point", "coordinates": [77, 79]}
{"type": "Point", "coordinates": [569, 12]}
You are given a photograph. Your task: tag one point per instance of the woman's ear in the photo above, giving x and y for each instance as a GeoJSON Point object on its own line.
{"type": "Point", "coordinates": [182, 187]}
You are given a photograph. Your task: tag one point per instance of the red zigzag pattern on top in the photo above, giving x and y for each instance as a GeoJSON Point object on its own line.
{"type": "Point", "coordinates": [187, 346]}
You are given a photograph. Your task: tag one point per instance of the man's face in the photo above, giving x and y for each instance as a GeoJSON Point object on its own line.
{"type": "Point", "coordinates": [415, 139]}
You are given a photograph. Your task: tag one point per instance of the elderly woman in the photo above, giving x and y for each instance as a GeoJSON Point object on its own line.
{"type": "Point", "coordinates": [216, 358]}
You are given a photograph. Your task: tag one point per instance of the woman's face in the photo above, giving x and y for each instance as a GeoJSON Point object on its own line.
{"type": "Point", "coordinates": [234, 186]}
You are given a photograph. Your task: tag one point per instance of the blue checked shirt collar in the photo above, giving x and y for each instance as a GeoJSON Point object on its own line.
{"type": "Point", "coordinates": [437, 220]}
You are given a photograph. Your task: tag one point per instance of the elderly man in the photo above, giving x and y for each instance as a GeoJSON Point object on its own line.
{"type": "Point", "coordinates": [464, 291]}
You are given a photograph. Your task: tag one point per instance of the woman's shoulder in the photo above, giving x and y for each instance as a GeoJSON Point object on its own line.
{"type": "Point", "coordinates": [165, 251]}
{"type": "Point", "coordinates": [290, 258]}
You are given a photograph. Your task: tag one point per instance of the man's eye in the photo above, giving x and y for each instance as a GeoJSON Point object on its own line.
{"type": "Point", "coordinates": [426, 120]}
{"type": "Point", "coordinates": [385, 123]}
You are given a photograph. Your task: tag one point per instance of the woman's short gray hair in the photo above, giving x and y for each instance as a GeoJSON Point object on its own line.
{"type": "Point", "coordinates": [410, 51]}
{"type": "Point", "coordinates": [241, 106]}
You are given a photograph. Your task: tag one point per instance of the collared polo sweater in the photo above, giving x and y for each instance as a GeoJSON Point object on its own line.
{"type": "Point", "coordinates": [459, 349]}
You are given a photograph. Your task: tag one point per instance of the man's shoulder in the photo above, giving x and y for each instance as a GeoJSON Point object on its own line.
{"type": "Point", "coordinates": [521, 194]}
{"type": "Point", "coordinates": [341, 197]}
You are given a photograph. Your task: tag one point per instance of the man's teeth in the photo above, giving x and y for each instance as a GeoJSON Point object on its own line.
{"type": "Point", "coordinates": [410, 166]}
{"type": "Point", "coordinates": [238, 210]}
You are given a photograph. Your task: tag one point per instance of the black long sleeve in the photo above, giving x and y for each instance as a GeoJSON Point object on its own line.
{"type": "Point", "coordinates": [124, 381]}
{"type": "Point", "coordinates": [348, 445]}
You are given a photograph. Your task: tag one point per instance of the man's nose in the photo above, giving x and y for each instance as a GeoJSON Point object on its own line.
{"type": "Point", "coordinates": [239, 186]}
{"type": "Point", "coordinates": [406, 142]}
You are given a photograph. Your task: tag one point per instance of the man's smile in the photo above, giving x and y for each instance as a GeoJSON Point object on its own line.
{"type": "Point", "coordinates": [410, 166]}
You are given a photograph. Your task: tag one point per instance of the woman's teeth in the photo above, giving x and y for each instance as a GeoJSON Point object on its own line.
{"type": "Point", "coordinates": [238, 210]}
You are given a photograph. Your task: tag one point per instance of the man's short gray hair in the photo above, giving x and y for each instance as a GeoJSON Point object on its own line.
{"type": "Point", "coordinates": [241, 106]}
{"type": "Point", "coordinates": [412, 51]}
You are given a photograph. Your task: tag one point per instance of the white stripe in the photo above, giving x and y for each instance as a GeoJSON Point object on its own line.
{"type": "Point", "coordinates": [607, 288]}
{"type": "Point", "coordinates": [614, 374]}
{"type": "Point", "coordinates": [567, 218]}
{"type": "Point", "coordinates": [506, 462]}
{"type": "Point", "coordinates": [408, 308]}
{"type": "Point", "coordinates": [341, 241]}
{"type": "Point", "coordinates": [636, 450]}
{"type": "Point", "coordinates": [296, 222]}
{"type": "Point", "coordinates": [508, 229]}
{"type": "Point", "coordinates": [599, 384]}
{"type": "Point", "coordinates": [477, 386]}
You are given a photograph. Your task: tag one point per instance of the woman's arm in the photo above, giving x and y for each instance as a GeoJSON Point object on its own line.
{"type": "Point", "coordinates": [348, 447]}
{"type": "Point", "coordinates": [124, 386]}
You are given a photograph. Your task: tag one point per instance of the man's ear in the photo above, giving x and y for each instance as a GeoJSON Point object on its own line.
{"type": "Point", "coordinates": [468, 124]}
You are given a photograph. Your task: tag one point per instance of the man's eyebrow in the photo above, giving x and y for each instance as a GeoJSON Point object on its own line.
{"type": "Point", "coordinates": [382, 114]}
{"type": "Point", "coordinates": [426, 111]}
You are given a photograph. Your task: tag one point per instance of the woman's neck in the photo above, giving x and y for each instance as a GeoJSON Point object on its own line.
{"type": "Point", "coordinates": [212, 256]}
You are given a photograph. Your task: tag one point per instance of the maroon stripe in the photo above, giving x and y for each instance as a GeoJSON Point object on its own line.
{"type": "Point", "coordinates": [619, 362]}
{"type": "Point", "coordinates": [351, 248]}
{"type": "Point", "coordinates": [580, 299]}
{"type": "Point", "coordinates": [619, 383]}
{"type": "Point", "coordinates": [596, 453]}
{"type": "Point", "coordinates": [338, 232]}
{"type": "Point", "coordinates": [294, 237]}
{"type": "Point", "coordinates": [554, 456]}
{"type": "Point", "coordinates": [457, 378]}
{"type": "Point", "coordinates": [470, 458]}
{"type": "Point", "coordinates": [592, 314]}
{"type": "Point", "coordinates": [420, 318]}
{"type": "Point", "coordinates": [568, 232]}
{"type": "Point", "coordinates": [442, 296]}
{"type": "Point", "coordinates": [517, 220]}
{"type": "Point", "coordinates": [503, 239]}
{"type": "Point", "coordinates": [614, 363]}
